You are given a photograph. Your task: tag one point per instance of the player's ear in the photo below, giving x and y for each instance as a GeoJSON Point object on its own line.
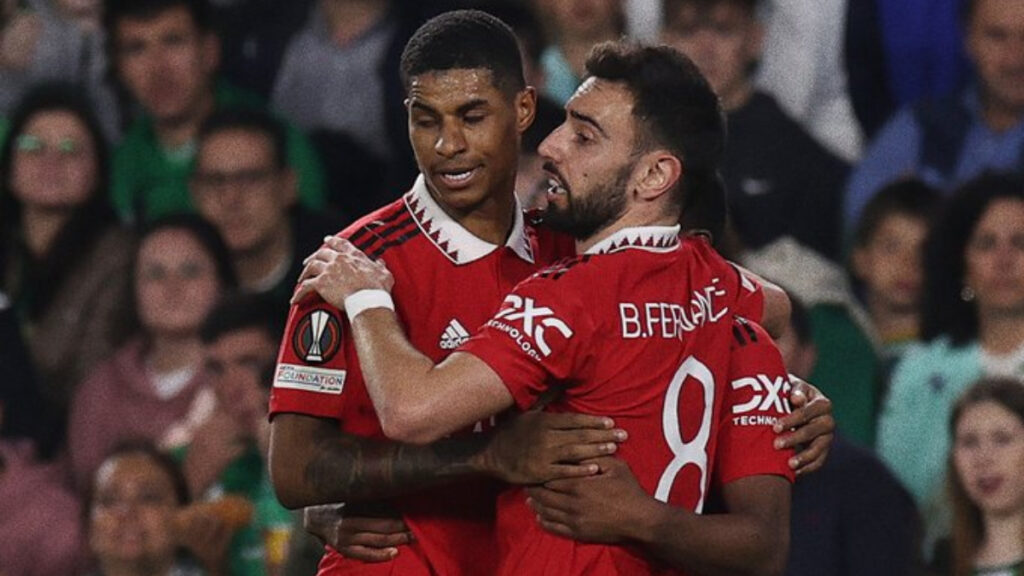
{"type": "Point", "coordinates": [526, 108]}
{"type": "Point", "coordinates": [660, 171]}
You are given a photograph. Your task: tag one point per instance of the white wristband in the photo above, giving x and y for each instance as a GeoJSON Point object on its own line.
{"type": "Point", "coordinates": [363, 300]}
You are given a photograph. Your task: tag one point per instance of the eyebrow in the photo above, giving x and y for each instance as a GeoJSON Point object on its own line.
{"type": "Point", "coordinates": [587, 120]}
{"type": "Point", "coordinates": [471, 105]}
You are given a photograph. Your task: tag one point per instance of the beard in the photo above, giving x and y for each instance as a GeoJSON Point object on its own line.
{"type": "Point", "coordinates": [585, 216]}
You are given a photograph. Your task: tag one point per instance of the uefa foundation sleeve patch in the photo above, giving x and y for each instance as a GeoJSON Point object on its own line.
{"type": "Point", "coordinates": [309, 357]}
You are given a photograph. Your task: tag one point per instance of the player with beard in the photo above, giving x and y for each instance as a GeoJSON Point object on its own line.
{"type": "Point", "coordinates": [458, 226]}
{"type": "Point", "coordinates": [640, 326]}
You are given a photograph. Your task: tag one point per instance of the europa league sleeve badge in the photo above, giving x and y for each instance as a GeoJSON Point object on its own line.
{"type": "Point", "coordinates": [317, 337]}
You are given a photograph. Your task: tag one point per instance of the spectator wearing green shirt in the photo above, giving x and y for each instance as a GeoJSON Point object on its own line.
{"type": "Point", "coordinates": [227, 454]}
{"type": "Point", "coordinates": [166, 57]}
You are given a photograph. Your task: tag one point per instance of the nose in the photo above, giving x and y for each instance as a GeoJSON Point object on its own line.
{"type": "Point", "coordinates": [451, 141]}
{"type": "Point", "coordinates": [550, 148]}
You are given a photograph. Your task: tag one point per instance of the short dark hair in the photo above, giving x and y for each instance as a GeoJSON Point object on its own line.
{"type": "Point", "coordinates": [249, 120]}
{"type": "Point", "coordinates": [675, 108]}
{"type": "Point", "coordinates": [944, 312]}
{"type": "Point", "coordinates": [243, 312]}
{"type": "Point", "coordinates": [114, 11]}
{"type": "Point", "coordinates": [465, 39]}
{"type": "Point", "coordinates": [909, 197]}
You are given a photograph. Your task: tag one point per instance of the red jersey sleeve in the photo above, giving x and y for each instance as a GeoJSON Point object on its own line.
{"type": "Point", "coordinates": [536, 338]}
{"type": "Point", "coordinates": [756, 397]}
{"type": "Point", "coordinates": [311, 364]}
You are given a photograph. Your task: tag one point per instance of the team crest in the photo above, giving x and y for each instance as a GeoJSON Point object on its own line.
{"type": "Point", "coordinates": [317, 337]}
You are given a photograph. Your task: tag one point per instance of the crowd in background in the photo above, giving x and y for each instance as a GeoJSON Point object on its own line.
{"type": "Point", "coordinates": [167, 164]}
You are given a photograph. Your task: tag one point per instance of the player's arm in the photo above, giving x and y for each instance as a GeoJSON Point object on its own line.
{"type": "Point", "coordinates": [611, 507]}
{"type": "Point", "coordinates": [415, 400]}
{"type": "Point", "coordinates": [809, 429]}
{"type": "Point", "coordinates": [776, 307]}
{"type": "Point", "coordinates": [312, 462]}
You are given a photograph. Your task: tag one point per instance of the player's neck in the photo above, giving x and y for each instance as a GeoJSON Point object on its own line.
{"type": "Point", "coordinates": [490, 221]}
{"type": "Point", "coordinates": [631, 219]}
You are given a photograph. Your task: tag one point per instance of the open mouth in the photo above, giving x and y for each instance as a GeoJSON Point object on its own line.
{"type": "Point", "coordinates": [556, 184]}
{"type": "Point", "coordinates": [457, 178]}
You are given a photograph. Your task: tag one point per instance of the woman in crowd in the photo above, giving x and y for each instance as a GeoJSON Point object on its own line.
{"type": "Point", "coordinates": [973, 326]}
{"type": "Point", "coordinates": [64, 259]}
{"type": "Point", "coordinates": [153, 387]}
{"type": "Point", "coordinates": [986, 480]}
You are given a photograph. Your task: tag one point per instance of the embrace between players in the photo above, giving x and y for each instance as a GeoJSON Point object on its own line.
{"type": "Point", "coordinates": [636, 338]}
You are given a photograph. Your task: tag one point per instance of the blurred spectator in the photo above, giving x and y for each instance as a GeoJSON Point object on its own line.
{"type": "Point", "coordinates": [779, 181]}
{"type": "Point", "coordinates": [340, 80]}
{"type": "Point", "coordinates": [886, 260]}
{"type": "Point", "coordinates": [899, 52]}
{"type": "Point", "coordinates": [40, 529]}
{"type": "Point", "coordinates": [847, 361]}
{"type": "Point", "coordinates": [851, 518]}
{"type": "Point", "coordinates": [254, 35]}
{"type": "Point", "coordinates": [972, 325]}
{"type": "Point", "coordinates": [153, 387]}
{"type": "Point", "coordinates": [48, 40]}
{"type": "Point", "coordinates": [528, 31]}
{"type": "Point", "coordinates": [802, 67]}
{"type": "Point", "coordinates": [986, 481]}
{"type": "Point", "coordinates": [227, 453]}
{"type": "Point", "coordinates": [948, 141]}
{"type": "Point", "coordinates": [63, 258]}
{"type": "Point", "coordinates": [575, 26]}
{"type": "Point", "coordinates": [140, 522]}
{"type": "Point", "coordinates": [28, 416]}
{"type": "Point", "coordinates": [333, 74]}
{"type": "Point", "coordinates": [243, 185]}
{"type": "Point", "coordinates": [166, 57]}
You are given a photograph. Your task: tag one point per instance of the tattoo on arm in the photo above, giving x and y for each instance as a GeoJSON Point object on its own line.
{"type": "Point", "coordinates": [350, 468]}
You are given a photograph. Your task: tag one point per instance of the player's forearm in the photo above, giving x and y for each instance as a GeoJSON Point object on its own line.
{"type": "Point", "coordinates": [737, 543]}
{"type": "Point", "coordinates": [312, 463]}
{"type": "Point", "coordinates": [407, 392]}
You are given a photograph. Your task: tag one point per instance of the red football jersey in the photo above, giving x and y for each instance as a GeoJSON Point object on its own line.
{"type": "Point", "coordinates": [447, 283]}
{"type": "Point", "coordinates": [640, 329]}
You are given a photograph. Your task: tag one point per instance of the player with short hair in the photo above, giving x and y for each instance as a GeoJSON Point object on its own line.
{"type": "Point", "coordinates": [458, 227]}
{"type": "Point", "coordinates": [640, 326]}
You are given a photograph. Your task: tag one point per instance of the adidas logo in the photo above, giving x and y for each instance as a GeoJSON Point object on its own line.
{"type": "Point", "coordinates": [454, 335]}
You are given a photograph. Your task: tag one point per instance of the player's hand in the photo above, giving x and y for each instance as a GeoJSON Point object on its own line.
{"type": "Point", "coordinates": [337, 270]}
{"type": "Point", "coordinates": [367, 539]}
{"type": "Point", "coordinates": [811, 427]}
{"type": "Point", "coordinates": [593, 509]}
{"type": "Point", "coordinates": [536, 447]}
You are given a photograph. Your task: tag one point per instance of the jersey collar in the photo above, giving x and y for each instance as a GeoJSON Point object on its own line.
{"type": "Point", "coordinates": [649, 238]}
{"type": "Point", "coordinates": [454, 241]}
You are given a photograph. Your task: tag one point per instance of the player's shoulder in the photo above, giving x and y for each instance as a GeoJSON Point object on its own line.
{"type": "Point", "coordinates": [384, 229]}
{"type": "Point", "coordinates": [564, 270]}
{"type": "Point", "coordinates": [748, 333]}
